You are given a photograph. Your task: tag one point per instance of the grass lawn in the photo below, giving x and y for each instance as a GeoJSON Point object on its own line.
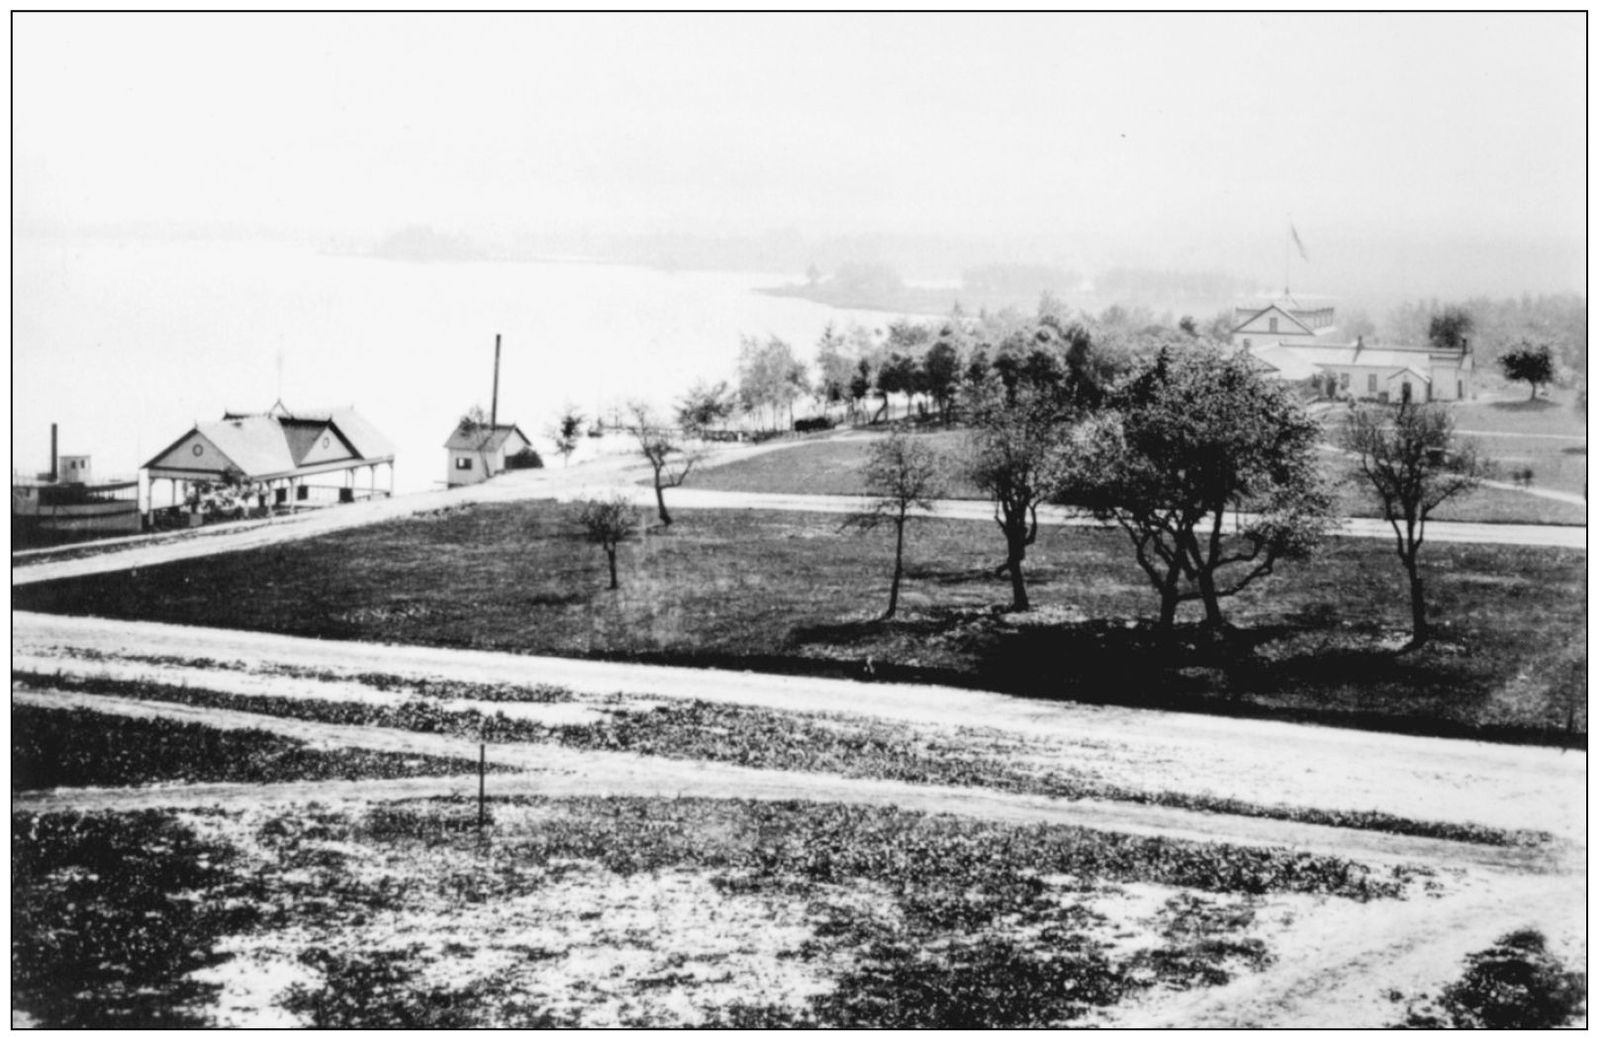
{"type": "Point", "coordinates": [1514, 412]}
{"type": "Point", "coordinates": [1486, 504]}
{"type": "Point", "coordinates": [837, 467]}
{"type": "Point", "coordinates": [53, 749]}
{"type": "Point", "coordinates": [787, 592]}
{"type": "Point", "coordinates": [834, 466]}
{"type": "Point", "coordinates": [636, 912]}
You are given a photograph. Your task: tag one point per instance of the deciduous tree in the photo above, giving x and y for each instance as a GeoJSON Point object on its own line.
{"type": "Point", "coordinates": [859, 384]}
{"type": "Point", "coordinates": [671, 462]}
{"type": "Point", "coordinates": [704, 406]}
{"type": "Point", "coordinates": [1449, 329]}
{"type": "Point", "coordinates": [608, 523]}
{"type": "Point", "coordinates": [1528, 363]}
{"type": "Point", "coordinates": [1211, 471]}
{"type": "Point", "coordinates": [566, 433]}
{"type": "Point", "coordinates": [1016, 456]}
{"type": "Point", "coordinates": [1412, 462]}
{"type": "Point", "coordinates": [769, 375]}
{"type": "Point", "coordinates": [942, 370]}
{"type": "Point", "coordinates": [901, 474]}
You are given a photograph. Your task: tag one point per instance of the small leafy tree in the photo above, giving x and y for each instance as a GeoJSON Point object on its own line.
{"type": "Point", "coordinates": [942, 370]}
{"type": "Point", "coordinates": [608, 523]}
{"type": "Point", "coordinates": [859, 385]}
{"type": "Point", "coordinates": [1186, 446]}
{"type": "Point", "coordinates": [836, 366]}
{"type": "Point", "coordinates": [1016, 457]}
{"type": "Point", "coordinates": [899, 374]}
{"type": "Point", "coordinates": [703, 407]}
{"type": "Point", "coordinates": [1532, 364]}
{"type": "Point", "coordinates": [1413, 463]}
{"type": "Point", "coordinates": [566, 434]}
{"type": "Point", "coordinates": [901, 474]}
{"type": "Point", "coordinates": [671, 462]}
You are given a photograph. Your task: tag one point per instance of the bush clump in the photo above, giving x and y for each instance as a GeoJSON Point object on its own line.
{"type": "Point", "coordinates": [1517, 983]}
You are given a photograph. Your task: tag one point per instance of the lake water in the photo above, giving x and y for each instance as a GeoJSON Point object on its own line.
{"type": "Point", "coordinates": [125, 346]}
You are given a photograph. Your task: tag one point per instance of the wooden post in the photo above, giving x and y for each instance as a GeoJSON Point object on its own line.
{"type": "Point", "coordinates": [481, 823]}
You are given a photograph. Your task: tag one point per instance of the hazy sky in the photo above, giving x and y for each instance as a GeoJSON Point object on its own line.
{"type": "Point", "coordinates": [1180, 130]}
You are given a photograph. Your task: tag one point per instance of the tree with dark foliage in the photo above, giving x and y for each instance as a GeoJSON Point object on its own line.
{"type": "Point", "coordinates": [1185, 449]}
{"type": "Point", "coordinates": [566, 434]}
{"type": "Point", "coordinates": [1527, 363]}
{"type": "Point", "coordinates": [1016, 456]}
{"type": "Point", "coordinates": [1449, 329]}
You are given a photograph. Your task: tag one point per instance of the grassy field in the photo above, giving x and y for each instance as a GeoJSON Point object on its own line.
{"type": "Point", "coordinates": [837, 466]}
{"type": "Point", "coordinates": [634, 912]}
{"type": "Point", "coordinates": [69, 748]}
{"type": "Point", "coordinates": [793, 593]}
{"type": "Point", "coordinates": [1513, 412]}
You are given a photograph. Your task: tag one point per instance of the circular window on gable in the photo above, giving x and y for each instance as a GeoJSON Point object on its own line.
{"type": "Point", "coordinates": [196, 450]}
{"type": "Point", "coordinates": [326, 442]}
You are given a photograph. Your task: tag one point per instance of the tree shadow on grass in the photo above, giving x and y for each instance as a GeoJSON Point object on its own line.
{"type": "Point", "coordinates": [950, 576]}
{"type": "Point", "coordinates": [1307, 668]}
{"type": "Point", "coordinates": [1538, 404]}
{"type": "Point", "coordinates": [559, 598]}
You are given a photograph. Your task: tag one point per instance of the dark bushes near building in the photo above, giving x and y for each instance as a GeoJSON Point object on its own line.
{"type": "Point", "coordinates": [525, 459]}
{"type": "Point", "coordinates": [817, 424]}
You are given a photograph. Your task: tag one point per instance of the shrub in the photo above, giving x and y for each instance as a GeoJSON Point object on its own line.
{"type": "Point", "coordinates": [1518, 983]}
{"type": "Point", "coordinates": [819, 424]}
{"type": "Point", "coordinates": [525, 459]}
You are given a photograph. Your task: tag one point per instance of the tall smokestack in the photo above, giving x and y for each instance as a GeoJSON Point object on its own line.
{"type": "Point", "coordinates": [53, 454]}
{"type": "Point", "coordinates": [496, 375]}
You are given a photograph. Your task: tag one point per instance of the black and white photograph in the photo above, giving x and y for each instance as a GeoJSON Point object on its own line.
{"type": "Point", "coordinates": [776, 520]}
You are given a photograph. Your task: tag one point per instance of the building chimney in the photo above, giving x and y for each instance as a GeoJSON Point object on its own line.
{"type": "Point", "coordinates": [53, 472]}
{"type": "Point", "coordinates": [496, 375]}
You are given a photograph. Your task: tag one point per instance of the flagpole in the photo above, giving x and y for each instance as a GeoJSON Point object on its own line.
{"type": "Point", "coordinates": [1291, 217]}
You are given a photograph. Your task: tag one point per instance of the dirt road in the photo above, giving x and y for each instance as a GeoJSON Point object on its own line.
{"type": "Point", "coordinates": [1267, 762]}
{"type": "Point", "coordinates": [558, 771]}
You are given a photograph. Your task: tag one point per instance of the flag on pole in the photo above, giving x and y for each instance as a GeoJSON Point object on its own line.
{"type": "Point", "coordinates": [1298, 243]}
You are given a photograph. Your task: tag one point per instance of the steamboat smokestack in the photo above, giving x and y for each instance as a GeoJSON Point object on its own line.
{"type": "Point", "coordinates": [496, 375]}
{"type": "Point", "coordinates": [53, 472]}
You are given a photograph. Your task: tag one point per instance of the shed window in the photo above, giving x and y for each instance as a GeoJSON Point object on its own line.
{"type": "Point", "coordinates": [1372, 383]}
{"type": "Point", "coordinates": [463, 464]}
{"type": "Point", "coordinates": [1247, 344]}
{"type": "Point", "coordinates": [1344, 381]}
{"type": "Point", "coordinates": [1272, 324]}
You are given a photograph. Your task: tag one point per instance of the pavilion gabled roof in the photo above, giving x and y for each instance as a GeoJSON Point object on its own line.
{"type": "Point", "coordinates": [260, 446]}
